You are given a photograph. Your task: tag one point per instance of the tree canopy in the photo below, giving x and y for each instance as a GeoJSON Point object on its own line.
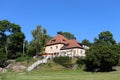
{"type": "Point", "coordinates": [68, 35]}
{"type": "Point", "coordinates": [86, 42]}
{"type": "Point", "coordinates": [105, 37]}
{"type": "Point", "coordinates": [11, 38]}
{"type": "Point", "coordinates": [103, 54]}
{"type": "Point", "coordinates": [40, 38]}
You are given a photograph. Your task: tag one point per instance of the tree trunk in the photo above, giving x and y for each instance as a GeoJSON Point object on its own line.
{"type": "Point", "coordinates": [6, 49]}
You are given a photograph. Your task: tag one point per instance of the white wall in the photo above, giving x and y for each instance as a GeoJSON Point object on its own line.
{"type": "Point", "coordinates": [68, 52]}
{"type": "Point", "coordinates": [53, 48]}
{"type": "Point", "coordinates": [74, 52]}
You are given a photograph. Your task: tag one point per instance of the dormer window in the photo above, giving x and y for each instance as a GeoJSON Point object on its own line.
{"type": "Point", "coordinates": [53, 41]}
{"type": "Point", "coordinates": [64, 40]}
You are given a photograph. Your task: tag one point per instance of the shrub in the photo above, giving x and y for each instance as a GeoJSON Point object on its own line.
{"type": "Point", "coordinates": [51, 66]}
{"type": "Point", "coordinates": [23, 58]}
{"type": "Point", "coordinates": [64, 61]}
{"type": "Point", "coordinates": [81, 62]}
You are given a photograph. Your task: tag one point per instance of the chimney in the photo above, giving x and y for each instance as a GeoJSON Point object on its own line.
{"type": "Point", "coordinates": [60, 32]}
{"type": "Point", "coordinates": [74, 38]}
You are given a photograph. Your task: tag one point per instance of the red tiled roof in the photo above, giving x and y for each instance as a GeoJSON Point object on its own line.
{"type": "Point", "coordinates": [58, 39]}
{"type": "Point", "coordinates": [73, 43]}
{"type": "Point", "coordinates": [68, 44]}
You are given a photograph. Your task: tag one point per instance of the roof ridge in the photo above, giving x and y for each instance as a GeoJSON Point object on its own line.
{"type": "Point", "coordinates": [72, 43]}
{"type": "Point", "coordinates": [58, 39]}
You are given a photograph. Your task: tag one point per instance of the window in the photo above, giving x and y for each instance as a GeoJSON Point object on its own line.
{"type": "Point", "coordinates": [56, 47]}
{"type": "Point", "coordinates": [74, 53]}
{"type": "Point", "coordinates": [81, 51]}
{"type": "Point", "coordinates": [53, 41]}
{"type": "Point", "coordinates": [50, 47]}
{"type": "Point", "coordinates": [64, 40]}
{"type": "Point", "coordinates": [64, 53]}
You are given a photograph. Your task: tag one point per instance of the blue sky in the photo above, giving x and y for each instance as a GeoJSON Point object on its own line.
{"type": "Point", "coordinates": [83, 18]}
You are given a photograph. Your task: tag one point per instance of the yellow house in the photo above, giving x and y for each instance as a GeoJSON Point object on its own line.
{"type": "Point", "coordinates": [61, 46]}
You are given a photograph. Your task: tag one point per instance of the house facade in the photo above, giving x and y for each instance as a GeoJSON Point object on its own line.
{"type": "Point", "coordinates": [61, 46]}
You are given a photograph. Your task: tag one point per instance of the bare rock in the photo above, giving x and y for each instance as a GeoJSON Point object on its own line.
{"type": "Point", "coordinates": [74, 67]}
{"type": "Point", "coordinates": [3, 70]}
{"type": "Point", "coordinates": [18, 68]}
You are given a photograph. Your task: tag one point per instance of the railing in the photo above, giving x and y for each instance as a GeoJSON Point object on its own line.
{"type": "Point", "coordinates": [34, 65]}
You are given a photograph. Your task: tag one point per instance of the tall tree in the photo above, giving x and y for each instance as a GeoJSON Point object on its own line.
{"type": "Point", "coordinates": [118, 49]}
{"type": "Point", "coordinates": [3, 58]}
{"type": "Point", "coordinates": [40, 39]}
{"type": "Point", "coordinates": [11, 38]}
{"type": "Point", "coordinates": [105, 37]}
{"type": "Point", "coordinates": [37, 38]}
{"type": "Point", "coordinates": [86, 42]}
{"type": "Point", "coordinates": [103, 54]}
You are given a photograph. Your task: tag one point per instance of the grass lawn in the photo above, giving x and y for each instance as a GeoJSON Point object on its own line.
{"type": "Point", "coordinates": [62, 75]}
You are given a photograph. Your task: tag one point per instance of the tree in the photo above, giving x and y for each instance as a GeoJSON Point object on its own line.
{"type": "Point", "coordinates": [11, 38]}
{"type": "Point", "coordinates": [25, 46]}
{"type": "Point", "coordinates": [37, 45]}
{"type": "Point", "coordinates": [105, 37]}
{"type": "Point", "coordinates": [103, 54]}
{"type": "Point", "coordinates": [31, 50]}
{"type": "Point", "coordinates": [68, 35]}
{"type": "Point", "coordinates": [118, 49]}
{"type": "Point", "coordinates": [3, 58]}
{"type": "Point", "coordinates": [86, 42]}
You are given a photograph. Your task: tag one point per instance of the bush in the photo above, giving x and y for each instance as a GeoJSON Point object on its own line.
{"type": "Point", "coordinates": [23, 58]}
{"type": "Point", "coordinates": [81, 62]}
{"type": "Point", "coordinates": [16, 55]}
{"type": "Point", "coordinates": [102, 57]}
{"type": "Point", "coordinates": [64, 61]}
{"type": "Point", "coordinates": [51, 66]}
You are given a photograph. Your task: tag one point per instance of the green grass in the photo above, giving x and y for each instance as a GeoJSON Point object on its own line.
{"type": "Point", "coordinates": [62, 75]}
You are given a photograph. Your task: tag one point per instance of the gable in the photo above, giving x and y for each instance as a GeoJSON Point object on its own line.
{"type": "Point", "coordinates": [72, 44]}
{"type": "Point", "coordinates": [68, 44]}
{"type": "Point", "coordinates": [59, 39]}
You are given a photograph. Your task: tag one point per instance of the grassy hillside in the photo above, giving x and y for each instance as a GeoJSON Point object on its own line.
{"type": "Point", "coordinates": [53, 71]}
{"type": "Point", "coordinates": [62, 75]}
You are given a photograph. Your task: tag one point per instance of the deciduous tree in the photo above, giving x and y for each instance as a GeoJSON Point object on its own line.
{"type": "Point", "coordinates": [40, 38]}
{"type": "Point", "coordinates": [86, 42]}
{"type": "Point", "coordinates": [105, 37]}
{"type": "Point", "coordinates": [11, 38]}
{"type": "Point", "coordinates": [103, 54]}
